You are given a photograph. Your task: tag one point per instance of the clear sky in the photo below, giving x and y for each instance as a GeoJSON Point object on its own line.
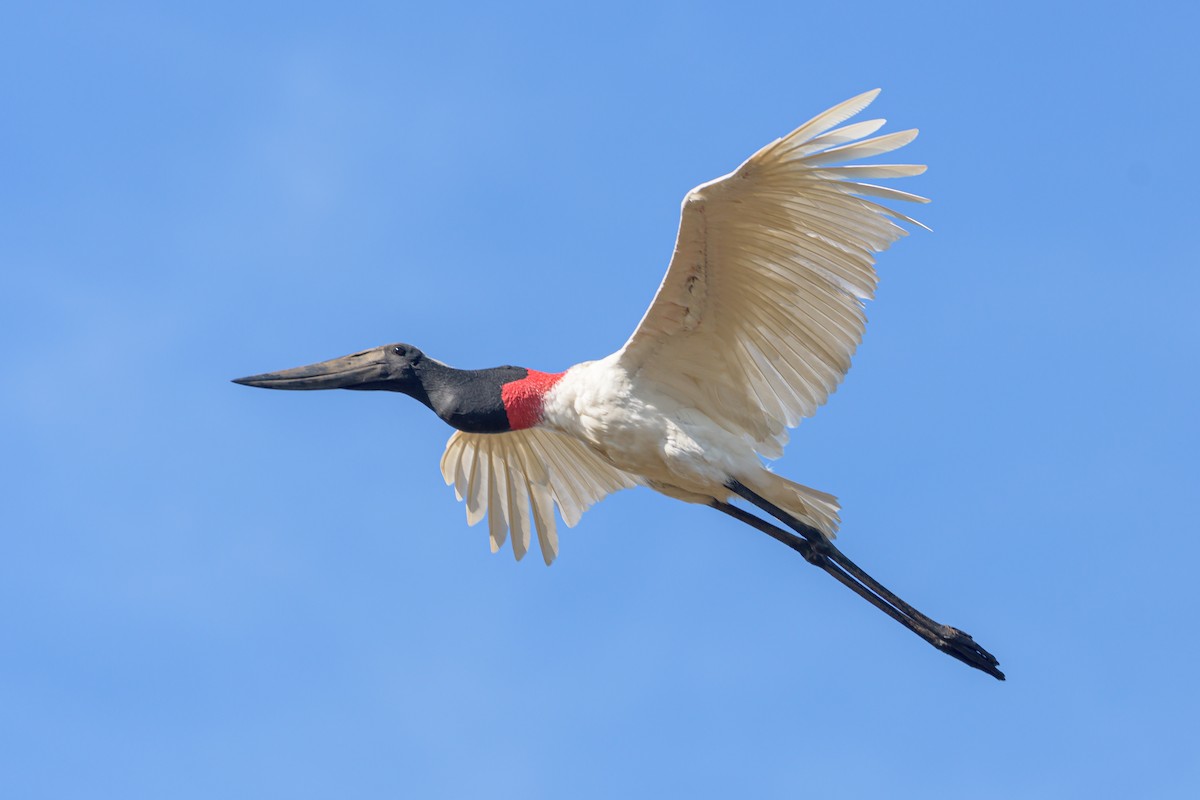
{"type": "Point", "coordinates": [208, 591]}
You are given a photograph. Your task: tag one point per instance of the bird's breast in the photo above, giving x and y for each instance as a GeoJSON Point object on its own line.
{"type": "Point", "coordinates": [643, 431]}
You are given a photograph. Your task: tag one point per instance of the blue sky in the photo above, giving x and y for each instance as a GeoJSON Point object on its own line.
{"type": "Point", "coordinates": [208, 591]}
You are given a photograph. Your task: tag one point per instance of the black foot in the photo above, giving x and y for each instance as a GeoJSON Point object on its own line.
{"type": "Point", "coordinates": [957, 644]}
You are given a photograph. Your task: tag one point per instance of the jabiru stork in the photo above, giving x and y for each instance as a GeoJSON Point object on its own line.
{"type": "Point", "coordinates": [751, 330]}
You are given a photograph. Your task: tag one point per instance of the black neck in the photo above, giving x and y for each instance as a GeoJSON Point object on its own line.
{"type": "Point", "coordinates": [466, 399]}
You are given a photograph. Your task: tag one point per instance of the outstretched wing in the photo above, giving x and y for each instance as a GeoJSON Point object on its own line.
{"type": "Point", "coordinates": [509, 475]}
{"type": "Point", "coordinates": [762, 306]}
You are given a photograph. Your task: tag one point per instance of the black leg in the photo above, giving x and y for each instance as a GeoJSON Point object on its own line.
{"type": "Point", "coordinates": [820, 541]}
{"type": "Point", "coordinates": [819, 551]}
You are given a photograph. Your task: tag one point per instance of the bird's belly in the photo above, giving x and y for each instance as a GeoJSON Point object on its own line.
{"type": "Point", "coordinates": [671, 448]}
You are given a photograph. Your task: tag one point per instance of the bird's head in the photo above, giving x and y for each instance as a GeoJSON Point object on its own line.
{"type": "Point", "coordinates": [391, 368]}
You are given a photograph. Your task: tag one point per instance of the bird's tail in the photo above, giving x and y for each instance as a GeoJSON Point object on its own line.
{"type": "Point", "coordinates": [810, 506]}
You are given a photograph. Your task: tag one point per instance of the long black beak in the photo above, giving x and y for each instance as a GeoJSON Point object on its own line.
{"type": "Point", "coordinates": [348, 372]}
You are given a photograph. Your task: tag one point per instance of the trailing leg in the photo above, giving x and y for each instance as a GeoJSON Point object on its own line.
{"type": "Point", "coordinates": [819, 551]}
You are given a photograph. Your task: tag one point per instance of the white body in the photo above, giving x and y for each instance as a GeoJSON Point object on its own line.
{"type": "Point", "coordinates": [643, 432]}
{"type": "Point", "coordinates": [752, 329]}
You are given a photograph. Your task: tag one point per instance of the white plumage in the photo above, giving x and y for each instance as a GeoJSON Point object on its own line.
{"type": "Point", "coordinates": [752, 329]}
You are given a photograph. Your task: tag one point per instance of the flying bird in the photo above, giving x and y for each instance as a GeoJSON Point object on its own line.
{"type": "Point", "coordinates": [751, 330]}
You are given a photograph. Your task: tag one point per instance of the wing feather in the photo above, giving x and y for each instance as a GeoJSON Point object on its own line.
{"type": "Point", "coordinates": [874, 171]}
{"type": "Point", "coordinates": [476, 478]}
{"type": "Point", "coordinates": [518, 523]}
{"type": "Point", "coordinates": [862, 149]}
{"type": "Point", "coordinates": [762, 306]}
{"type": "Point", "coordinates": [823, 122]}
{"type": "Point", "coordinates": [518, 478]}
{"type": "Point", "coordinates": [497, 502]}
{"type": "Point", "coordinates": [846, 134]}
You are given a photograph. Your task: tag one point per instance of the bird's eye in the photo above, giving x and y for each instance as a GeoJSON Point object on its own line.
{"type": "Point", "coordinates": [398, 351]}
